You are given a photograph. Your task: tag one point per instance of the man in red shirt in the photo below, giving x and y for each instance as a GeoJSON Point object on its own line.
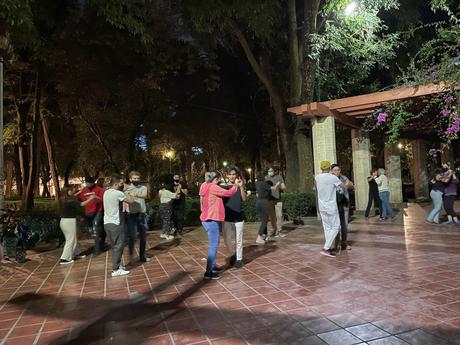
{"type": "Point", "coordinates": [93, 213]}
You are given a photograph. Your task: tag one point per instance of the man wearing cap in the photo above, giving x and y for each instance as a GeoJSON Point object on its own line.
{"type": "Point", "coordinates": [326, 188]}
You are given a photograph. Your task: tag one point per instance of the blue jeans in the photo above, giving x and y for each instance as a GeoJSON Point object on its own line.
{"type": "Point", "coordinates": [436, 196]}
{"type": "Point", "coordinates": [386, 208]}
{"type": "Point", "coordinates": [96, 228]}
{"type": "Point", "coordinates": [136, 224]}
{"type": "Point", "coordinates": [212, 227]}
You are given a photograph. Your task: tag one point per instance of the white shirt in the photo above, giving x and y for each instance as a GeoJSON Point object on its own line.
{"type": "Point", "coordinates": [382, 183]}
{"type": "Point", "coordinates": [326, 187]}
{"type": "Point", "coordinates": [111, 200]}
{"type": "Point", "coordinates": [166, 196]}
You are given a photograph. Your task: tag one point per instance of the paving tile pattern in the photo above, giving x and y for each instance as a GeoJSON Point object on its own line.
{"type": "Point", "coordinates": [399, 285]}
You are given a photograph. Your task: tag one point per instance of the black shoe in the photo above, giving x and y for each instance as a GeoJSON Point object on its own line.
{"type": "Point", "coordinates": [238, 264]}
{"type": "Point", "coordinates": [232, 260]}
{"type": "Point", "coordinates": [145, 259]}
{"type": "Point", "coordinates": [218, 269]}
{"type": "Point", "coordinates": [212, 275]}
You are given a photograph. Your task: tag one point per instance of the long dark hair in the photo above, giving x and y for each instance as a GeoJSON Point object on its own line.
{"type": "Point", "coordinates": [66, 194]}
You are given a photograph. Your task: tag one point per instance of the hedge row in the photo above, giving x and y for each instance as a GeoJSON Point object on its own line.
{"type": "Point", "coordinates": [295, 206]}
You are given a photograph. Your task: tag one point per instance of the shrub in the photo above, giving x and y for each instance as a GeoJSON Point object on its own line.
{"type": "Point", "coordinates": [297, 205]}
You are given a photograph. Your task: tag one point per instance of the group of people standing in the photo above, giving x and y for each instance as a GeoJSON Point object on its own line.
{"type": "Point", "coordinates": [172, 207]}
{"type": "Point", "coordinates": [221, 201]}
{"type": "Point", "coordinates": [118, 212]}
{"type": "Point", "coordinates": [443, 192]}
{"type": "Point", "coordinates": [379, 195]}
{"type": "Point", "coordinates": [333, 206]}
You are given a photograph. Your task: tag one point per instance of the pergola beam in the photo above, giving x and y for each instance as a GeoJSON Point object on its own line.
{"type": "Point", "coordinates": [344, 110]}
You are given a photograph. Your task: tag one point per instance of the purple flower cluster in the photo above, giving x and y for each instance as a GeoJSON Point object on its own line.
{"type": "Point", "coordinates": [433, 152]}
{"type": "Point", "coordinates": [449, 99]}
{"type": "Point", "coordinates": [381, 117]}
{"type": "Point", "coordinates": [446, 112]}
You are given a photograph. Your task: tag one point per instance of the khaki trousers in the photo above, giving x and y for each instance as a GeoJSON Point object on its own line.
{"type": "Point", "coordinates": [69, 229]}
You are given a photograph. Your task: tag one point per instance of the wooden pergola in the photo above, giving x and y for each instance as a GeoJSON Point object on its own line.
{"type": "Point", "coordinates": [349, 111]}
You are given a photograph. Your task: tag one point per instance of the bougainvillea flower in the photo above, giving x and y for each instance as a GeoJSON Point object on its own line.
{"type": "Point", "coordinates": [382, 117]}
{"type": "Point", "coordinates": [446, 112]}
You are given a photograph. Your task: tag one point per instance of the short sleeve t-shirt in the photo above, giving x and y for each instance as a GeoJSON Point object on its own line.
{"type": "Point", "coordinates": [112, 199]}
{"type": "Point", "coordinates": [166, 196]}
{"type": "Point", "coordinates": [138, 206]}
{"type": "Point", "coordinates": [94, 205]}
{"type": "Point", "coordinates": [180, 203]}
{"type": "Point", "coordinates": [233, 206]}
{"type": "Point", "coordinates": [275, 194]}
{"type": "Point", "coordinates": [262, 190]}
{"type": "Point", "coordinates": [326, 187]}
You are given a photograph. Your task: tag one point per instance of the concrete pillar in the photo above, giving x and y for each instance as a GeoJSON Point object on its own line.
{"type": "Point", "coordinates": [323, 133]}
{"type": "Point", "coordinates": [393, 172]}
{"type": "Point", "coordinates": [419, 170]}
{"type": "Point", "coordinates": [362, 165]}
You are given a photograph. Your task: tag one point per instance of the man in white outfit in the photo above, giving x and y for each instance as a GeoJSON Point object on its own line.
{"type": "Point", "coordinates": [326, 188]}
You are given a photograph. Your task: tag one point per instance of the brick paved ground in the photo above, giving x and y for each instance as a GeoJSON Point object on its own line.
{"type": "Point", "coordinates": [399, 284]}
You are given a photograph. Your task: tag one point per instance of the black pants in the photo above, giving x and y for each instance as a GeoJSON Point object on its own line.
{"type": "Point", "coordinates": [262, 212]}
{"type": "Point", "coordinates": [136, 224]}
{"type": "Point", "coordinates": [178, 218]}
{"type": "Point", "coordinates": [96, 228]}
{"type": "Point", "coordinates": [449, 205]}
{"type": "Point", "coordinates": [373, 197]}
{"type": "Point", "coordinates": [116, 235]}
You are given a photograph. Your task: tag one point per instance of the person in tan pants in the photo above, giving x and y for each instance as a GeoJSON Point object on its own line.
{"type": "Point", "coordinates": [69, 209]}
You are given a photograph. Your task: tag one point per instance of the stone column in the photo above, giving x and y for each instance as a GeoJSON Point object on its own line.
{"type": "Point", "coordinates": [393, 172]}
{"type": "Point", "coordinates": [361, 167]}
{"type": "Point", "coordinates": [419, 170]}
{"type": "Point", "coordinates": [323, 133]}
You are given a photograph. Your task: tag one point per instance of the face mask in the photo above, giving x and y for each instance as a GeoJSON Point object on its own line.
{"type": "Point", "coordinates": [271, 173]}
{"type": "Point", "coordinates": [136, 183]}
{"type": "Point", "coordinates": [90, 185]}
{"type": "Point", "coordinates": [121, 187]}
{"type": "Point", "coordinates": [176, 181]}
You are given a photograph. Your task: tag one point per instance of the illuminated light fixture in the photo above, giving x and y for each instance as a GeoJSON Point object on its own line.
{"type": "Point", "coordinates": [350, 9]}
{"type": "Point", "coordinates": [400, 146]}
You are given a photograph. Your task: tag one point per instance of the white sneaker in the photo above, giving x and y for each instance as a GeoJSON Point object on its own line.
{"type": "Point", "coordinates": [119, 272]}
{"type": "Point", "coordinates": [169, 237]}
{"type": "Point", "coordinates": [279, 233]}
{"type": "Point", "coordinates": [163, 236]}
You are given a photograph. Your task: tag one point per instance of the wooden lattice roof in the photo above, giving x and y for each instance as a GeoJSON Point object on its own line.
{"type": "Point", "coordinates": [349, 111]}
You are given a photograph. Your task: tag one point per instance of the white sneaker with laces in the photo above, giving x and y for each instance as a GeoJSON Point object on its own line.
{"type": "Point", "coordinates": [169, 237]}
{"type": "Point", "coordinates": [163, 236]}
{"type": "Point", "coordinates": [119, 272]}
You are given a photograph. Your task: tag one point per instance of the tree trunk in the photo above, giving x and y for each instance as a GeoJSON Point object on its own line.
{"type": "Point", "coordinates": [67, 171]}
{"type": "Point", "coordinates": [49, 151]}
{"type": "Point", "coordinates": [28, 193]}
{"type": "Point", "coordinates": [17, 171]}
{"type": "Point", "coordinates": [9, 178]}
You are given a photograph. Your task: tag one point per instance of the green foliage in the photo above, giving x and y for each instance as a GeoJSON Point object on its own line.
{"type": "Point", "coordinates": [351, 46]}
{"type": "Point", "coordinates": [297, 205]}
{"type": "Point", "coordinates": [437, 61]}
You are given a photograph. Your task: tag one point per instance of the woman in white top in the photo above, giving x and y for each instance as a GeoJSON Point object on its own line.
{"type": "Point", "coordinates": [166, 198]}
